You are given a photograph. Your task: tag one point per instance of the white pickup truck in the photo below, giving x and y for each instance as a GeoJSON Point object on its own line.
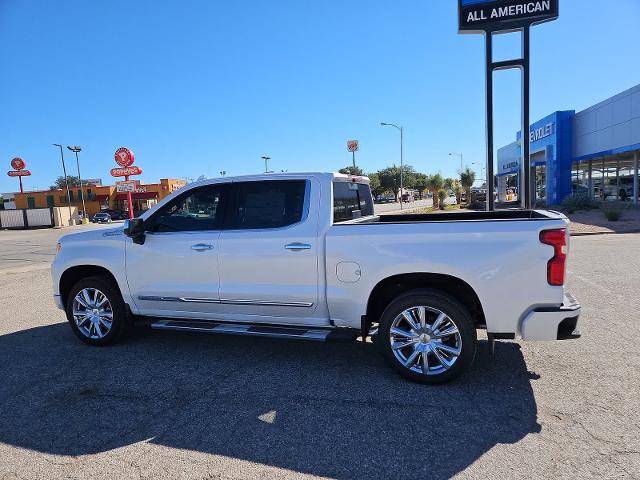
{"type": "Point", "coordinates": [304, 256]}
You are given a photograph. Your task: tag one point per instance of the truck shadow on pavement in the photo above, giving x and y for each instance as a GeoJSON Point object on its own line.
{"type": "Point", "coordinates": [334, 410]}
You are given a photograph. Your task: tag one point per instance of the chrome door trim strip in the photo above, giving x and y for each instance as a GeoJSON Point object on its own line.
{"type": "Point", "coordinates": [266, 303]}
{"type": "Point", "coordinates": [224, 301]}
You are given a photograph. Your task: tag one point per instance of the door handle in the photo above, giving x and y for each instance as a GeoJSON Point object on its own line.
{"type": "Point", "coordinates": [297, 246]}
{"type": "Point", "coordinates": [201, 247]}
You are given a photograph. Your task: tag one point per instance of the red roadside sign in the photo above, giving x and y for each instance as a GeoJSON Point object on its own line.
{"type": "Point", "coordinates": [18, 163]}
{"type": "Point", "coordinates": [19, 173]}
{"type": "Point", "coordinates": [352, 145]}
{"type": "Point", "coordinates": [124, 157]}
{"type": "Point", "coordinates": [125, 171]}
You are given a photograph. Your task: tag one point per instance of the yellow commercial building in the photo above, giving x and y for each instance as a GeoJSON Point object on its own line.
{"type": "Point", "coordinates": [98, 198]}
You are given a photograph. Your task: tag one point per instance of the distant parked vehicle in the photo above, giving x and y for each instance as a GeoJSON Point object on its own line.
{"type": "Point", "coordinates": [407, 198]}
{"type": "Point", "coordinates": [385, 198]}
{"type": "Point", "coordinates": [101, 217]}
{"type": "Point", "coordinates": [115, 214]}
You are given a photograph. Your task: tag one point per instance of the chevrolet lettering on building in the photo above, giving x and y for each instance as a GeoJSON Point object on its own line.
{"type": "Point", "coordinates": [500, 15]}
{"type": "Point", "coordinates": [540, 133]}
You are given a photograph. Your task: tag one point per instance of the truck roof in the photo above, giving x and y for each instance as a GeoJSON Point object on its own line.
{"type": "Point", "coordinates": [340, 177]}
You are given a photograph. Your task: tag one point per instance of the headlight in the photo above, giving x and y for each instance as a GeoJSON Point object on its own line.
{"type": "Point", "coordinates": [58, 247]}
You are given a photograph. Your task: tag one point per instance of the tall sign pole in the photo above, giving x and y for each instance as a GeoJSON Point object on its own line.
{"type": "Point", "coordinates": [124, 157]}
{"type": "Point", "coordinates": [353, 146]}
{"type": "Point", "coordinates": [19, 171]}
{"type": "Point", "coordinates": [492, 17]}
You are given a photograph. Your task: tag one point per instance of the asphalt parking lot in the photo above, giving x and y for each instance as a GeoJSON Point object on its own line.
{"type": "Point", "coordinates": [168, 405]}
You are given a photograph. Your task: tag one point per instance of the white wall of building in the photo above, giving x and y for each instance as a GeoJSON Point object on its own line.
{"type": "Point", "coordinates": [9, 201]}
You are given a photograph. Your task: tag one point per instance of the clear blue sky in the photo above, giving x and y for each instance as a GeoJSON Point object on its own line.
{"type": "Point", "coordinates": [198, 87]}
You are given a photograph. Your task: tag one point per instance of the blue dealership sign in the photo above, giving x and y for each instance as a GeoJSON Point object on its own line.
{"type": "Point", "coordinates": [478, 16]}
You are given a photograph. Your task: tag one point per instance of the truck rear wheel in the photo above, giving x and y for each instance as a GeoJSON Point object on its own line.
{"type": "Point", "coordinates": [96, 311]}
{"type": "Point", "coordinates": [427, 336]}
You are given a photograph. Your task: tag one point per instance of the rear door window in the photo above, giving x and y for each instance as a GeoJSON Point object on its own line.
{"type": "Point", "coordinates": [351, 200]}
{"type": "Point", "coordinates": [267, 204]}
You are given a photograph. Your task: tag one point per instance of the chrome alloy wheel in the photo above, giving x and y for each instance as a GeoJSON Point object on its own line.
{"type": "Point", "coordinates": [425, 340]}
{"type": "Point", "coordinates": [92, 313]}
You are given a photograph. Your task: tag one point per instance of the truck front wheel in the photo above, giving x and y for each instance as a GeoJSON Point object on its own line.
{"type": "Point", "coordinates": [427, 336]}
{"type": "Point", "coordinates": [96, 311]}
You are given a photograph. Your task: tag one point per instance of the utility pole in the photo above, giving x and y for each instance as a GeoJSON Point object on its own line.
{"type": "Point", "coordinates": [66, 181]}
{"type": "Point", "coordinates": [461, 160]}
{"type": "Point", "coordinates": [266, 163]}
{"type": "Point", "coordinates": [77, 149]}
{"type": "Point", "coordinates": [400, 128]}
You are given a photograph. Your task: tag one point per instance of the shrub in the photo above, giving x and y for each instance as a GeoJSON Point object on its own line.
{"type": "Point", "coordinates": [613, 214]}
{"type": "Point", "coordinates": [475, 205]}
{"type": "Point", "coordinates": [442, 195]}
{"type": "Point", "coordinates": [578, 201]}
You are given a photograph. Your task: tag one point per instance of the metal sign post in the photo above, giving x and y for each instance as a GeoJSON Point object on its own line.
{"type": "Point", "coordinates": [124, 157]}
{"type": "Point", "coordinates": [353, 147]}
{"type": "Point", "coordinates": [523, 65]}
{"type": "Point", "coordinates": [492, 17]}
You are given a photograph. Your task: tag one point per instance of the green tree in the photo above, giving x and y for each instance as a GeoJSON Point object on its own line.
{"type": "Point", "coordinates": [449, 183]}
{"type": "Point", "coordinates": [390, 178]}
{"type": "Point", "coordinates": [351, 170]}
{"type": "Point", "coordinates": [435, 183]}
{"type": "Point", "coordinates": [59, 184]}
{"type": "Point", "coordinates": [374, 184]}
{"type": "Point", "coordinates": [421, 183]}
{"type": "Point", "coordinates": [467, 179]}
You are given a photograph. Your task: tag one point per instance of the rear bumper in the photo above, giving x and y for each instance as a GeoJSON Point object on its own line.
{"type": "Point", "coordinates": [555, 323]}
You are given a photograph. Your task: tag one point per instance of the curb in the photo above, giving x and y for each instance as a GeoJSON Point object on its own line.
{"type": "Point", "coordinates": [587, 234]}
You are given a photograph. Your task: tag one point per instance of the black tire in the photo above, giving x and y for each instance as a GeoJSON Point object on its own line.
{"type": "Point", "coordinates": [120, 320]}
{"type": "Point", "coordinates": [457, 313]}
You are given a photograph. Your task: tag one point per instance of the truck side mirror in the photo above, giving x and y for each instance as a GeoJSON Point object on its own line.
{"type": "Point", "coordinates": [134, 229]}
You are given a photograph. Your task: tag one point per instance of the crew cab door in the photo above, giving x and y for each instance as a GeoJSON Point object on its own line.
{"type": "Point", "coordinates": [175, 271]}
{"type": "Point", "coordinates": [269, 252]}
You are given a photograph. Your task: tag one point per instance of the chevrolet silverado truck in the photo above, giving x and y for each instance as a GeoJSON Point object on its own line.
{"type": "Point", "coordinates": [303, 256]}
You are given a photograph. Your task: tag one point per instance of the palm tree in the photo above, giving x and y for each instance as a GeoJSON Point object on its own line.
{"type": "Point", "coordinates": [467, 179]}
{"type": "Point", "coordinates": [435, 183]}
{"type": "Point", "coordinates": [442, 195]}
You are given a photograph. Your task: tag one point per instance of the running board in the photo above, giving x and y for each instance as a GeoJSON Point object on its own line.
{"type": "Point", "coordinates": [270, 331]}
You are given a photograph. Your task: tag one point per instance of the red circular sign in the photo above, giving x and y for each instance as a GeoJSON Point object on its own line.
{"type": "Point", "coordinates": [18, 163]}
{"type": "Point", "coordinates": [124, 157]}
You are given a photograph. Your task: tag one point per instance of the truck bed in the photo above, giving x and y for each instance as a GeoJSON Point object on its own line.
{"type": "Point", "coordinates": [499, 215]}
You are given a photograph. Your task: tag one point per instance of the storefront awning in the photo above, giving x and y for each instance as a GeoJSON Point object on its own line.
{"type": "Point", "coordinates": [102, 198]}
{"type": "Point", "coordinates": [138, 195]}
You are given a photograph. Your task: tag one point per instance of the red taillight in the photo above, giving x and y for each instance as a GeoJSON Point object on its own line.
{"type": "Point", "coordinates": [556, 266]}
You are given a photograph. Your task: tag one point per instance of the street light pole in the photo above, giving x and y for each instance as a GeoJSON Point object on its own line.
{"type": "Point", "coordinates": [401, 157]}
{"type": "Point", "coordinates": [266, 164]}
{"type": "Point", "coordinates": [66, 181]}
{"type": "Point", "coordinates": [481, 168]}
{"type": "Point", "coordinates": [77, 149]}
{"type": "Point", "coordinates": [461, 159]}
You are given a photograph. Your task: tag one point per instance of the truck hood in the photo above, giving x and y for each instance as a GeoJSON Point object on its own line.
{"type": "Point", "coordinates": [93, 234]}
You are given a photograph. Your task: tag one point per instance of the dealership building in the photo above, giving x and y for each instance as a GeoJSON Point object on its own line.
{"type": "Point", "coordinates": [593, 152]}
